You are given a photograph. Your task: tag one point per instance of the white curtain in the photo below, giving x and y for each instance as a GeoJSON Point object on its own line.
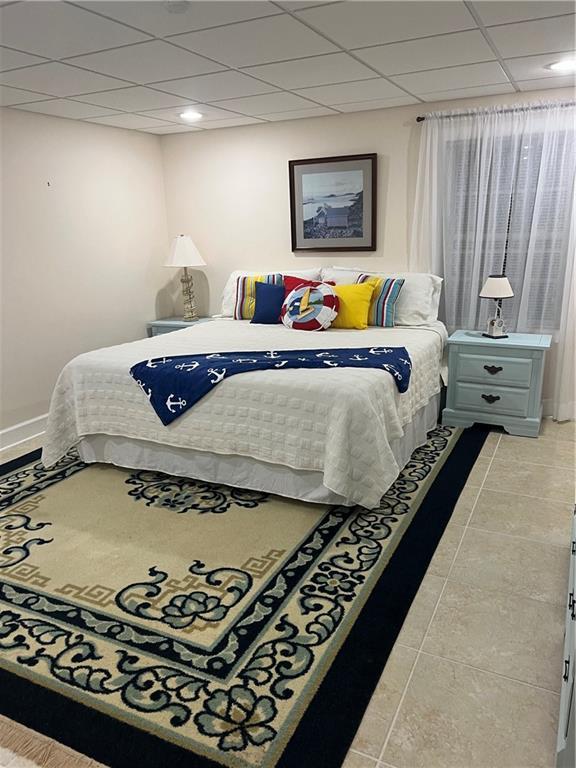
{"type": "Point", "coordinates": [495, 193]}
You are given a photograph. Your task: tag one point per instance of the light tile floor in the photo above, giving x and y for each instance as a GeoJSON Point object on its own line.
{"type": "Point", "coordinates": [473, 680]}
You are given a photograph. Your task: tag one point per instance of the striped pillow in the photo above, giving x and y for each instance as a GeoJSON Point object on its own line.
{"type": "Point", "coordinates": [383, 304]}
{"type": "Point", "coordinates": [245, 300]}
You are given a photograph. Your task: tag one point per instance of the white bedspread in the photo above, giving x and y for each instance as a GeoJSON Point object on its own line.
{"type": "Point", "coordinates": [337, 421]}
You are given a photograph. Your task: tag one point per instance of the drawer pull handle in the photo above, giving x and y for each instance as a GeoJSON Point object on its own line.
{"type": "Point", "coordinates": [493, 369]}
{"type": "Point", "coordinates": [571, 601]}
{"type": "Point", "coordinates": [491, 398]}
{"type": "Point", "coordinates": [566, 669]}
{"type": "Point", "coordinates": [574, 547]}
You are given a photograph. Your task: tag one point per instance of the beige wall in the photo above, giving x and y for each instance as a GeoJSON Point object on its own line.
{"type": "Point", "coordinates": [229, 188]}
{"type": "Point", "coordinates": [81, 258]}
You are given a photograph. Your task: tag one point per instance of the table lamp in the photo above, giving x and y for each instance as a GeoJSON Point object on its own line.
{"type": "Point", "coordinates": [184, 253]}
{"type": "Point", "coordinates": [496, 287]}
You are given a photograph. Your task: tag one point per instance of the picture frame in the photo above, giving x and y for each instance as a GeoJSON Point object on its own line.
{"type": "Point", "coordinates": [333, 203]}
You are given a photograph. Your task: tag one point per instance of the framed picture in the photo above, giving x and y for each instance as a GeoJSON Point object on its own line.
{"type": "Point", "coordinates": [333, 203]}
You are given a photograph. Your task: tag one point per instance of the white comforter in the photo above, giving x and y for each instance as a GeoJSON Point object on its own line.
{"type": "Point", "coordinates": [336, 421]}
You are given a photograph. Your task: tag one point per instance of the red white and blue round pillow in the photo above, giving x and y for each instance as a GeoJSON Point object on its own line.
{"type": "Point", "coordinates": [310, 308]}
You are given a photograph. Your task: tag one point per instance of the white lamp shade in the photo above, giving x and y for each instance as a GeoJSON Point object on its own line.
{"type": "Point", "coordinates": [184, 253]}
{"type": "Point", "coordinates": [497, 287]}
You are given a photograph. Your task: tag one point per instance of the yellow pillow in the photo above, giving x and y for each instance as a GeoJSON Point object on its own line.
{"type": "Point", "coordinates": [354, 305]}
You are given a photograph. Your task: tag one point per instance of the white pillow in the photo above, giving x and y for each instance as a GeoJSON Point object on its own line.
{"type": "Point", "coordinates": [419, 298]}
{"type": "Point", "coordinates": [229, 293]}
{"type": "Point", "coordinates": [340, 275]}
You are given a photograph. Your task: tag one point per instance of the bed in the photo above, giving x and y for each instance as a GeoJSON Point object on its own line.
{"type": "Point", "coordinates": [328, 436]}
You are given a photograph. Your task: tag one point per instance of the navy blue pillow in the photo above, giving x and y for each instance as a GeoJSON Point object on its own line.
{"type": "Point", "coordinates": [268, 305]}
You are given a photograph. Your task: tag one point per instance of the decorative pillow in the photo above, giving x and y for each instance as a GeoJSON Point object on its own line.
{"type": "Point", "coordinates": [268, 305]}
{"type": "Point", "coordinates": [383, 302]}
{"type": "Point", "coordinates": [246, 294]}
{"type": "Point", "coordinates": [229, 292]}
{"type": "Point", "coordinates": [291, 282]}
{"type": "Point", "coordinates": [419, 299]}
{"type": "Point", "coordinates": [354, 305]}
{"type": "Point", "coordinates": [310, 308]}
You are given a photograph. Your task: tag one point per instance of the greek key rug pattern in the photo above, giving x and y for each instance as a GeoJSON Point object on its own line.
{"type": "Point", "coordinates": [203, 614]}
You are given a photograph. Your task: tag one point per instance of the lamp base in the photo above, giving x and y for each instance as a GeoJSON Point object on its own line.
{"type": "Point", "coordinates": [190, 311]}
{"type": "Point", "coordinates": [496, 328]}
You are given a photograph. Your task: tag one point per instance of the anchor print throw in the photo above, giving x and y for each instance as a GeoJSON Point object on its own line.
{"type": "Point", "coordinates": [175, 384]}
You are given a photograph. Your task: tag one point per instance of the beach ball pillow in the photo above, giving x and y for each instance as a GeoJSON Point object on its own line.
{"type": "Point", "coordinates": [310, 308]}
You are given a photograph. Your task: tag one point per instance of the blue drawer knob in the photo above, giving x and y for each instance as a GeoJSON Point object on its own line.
{"type": "Point", "coordinates": [491, 398]}
{"type": "Point", "coordinates": [493, 369]}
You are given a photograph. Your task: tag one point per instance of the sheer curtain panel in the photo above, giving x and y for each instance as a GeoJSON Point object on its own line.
{"type": "Point", "coordinates": [495, 194]}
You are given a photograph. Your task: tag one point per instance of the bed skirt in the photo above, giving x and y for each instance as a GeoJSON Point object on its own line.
{"type": "Point", "coordinates": [244, 471]}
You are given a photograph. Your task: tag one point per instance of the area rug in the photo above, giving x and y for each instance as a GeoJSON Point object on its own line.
{"type": "Point", "coordinates": [153, 620]}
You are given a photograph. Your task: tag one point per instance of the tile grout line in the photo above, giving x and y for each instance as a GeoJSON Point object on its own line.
{"type": "Point", "coordinates": [515, 536]}
{"type": "Point", "coordinates": [432, 617]}
{"type": "Point", "coordinates": [490, 672]}
{"type": "Point", "coordinates": [363, 754]}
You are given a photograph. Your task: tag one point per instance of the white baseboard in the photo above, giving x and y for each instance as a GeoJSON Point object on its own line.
{"type": "Point", "coordinates": [12, 436]}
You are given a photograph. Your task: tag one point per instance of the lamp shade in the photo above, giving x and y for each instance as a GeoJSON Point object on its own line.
{"type": "Point", "coordinates": [496, 287]}
{"type": "Point", "coordinates": [183, 253]}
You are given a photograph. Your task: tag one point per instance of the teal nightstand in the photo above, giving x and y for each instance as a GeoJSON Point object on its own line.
{"type": "Point", "coordinates": [496, 381]}
{"type": "Point", "coordinates": [169, 324]}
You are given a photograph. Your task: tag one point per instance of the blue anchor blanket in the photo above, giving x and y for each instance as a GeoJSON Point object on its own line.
{"type": "Point", "coordinates": [175, 384]}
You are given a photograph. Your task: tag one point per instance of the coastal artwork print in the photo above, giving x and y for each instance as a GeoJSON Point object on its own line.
{"type": "Point", "coordinates": [333, 203]}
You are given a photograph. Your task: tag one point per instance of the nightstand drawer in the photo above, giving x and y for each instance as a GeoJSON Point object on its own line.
{"type": "Point", "coordinates": [508, 401]}
{"type": "Point", "coordinates": [495, 370]}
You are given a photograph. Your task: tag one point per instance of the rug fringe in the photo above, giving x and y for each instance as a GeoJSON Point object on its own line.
{"type": "Point", "coordinates": [37, 750]}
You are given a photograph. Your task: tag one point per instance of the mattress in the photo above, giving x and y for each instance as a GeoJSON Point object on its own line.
{"type": "Point", "coordinates": [338, 422]}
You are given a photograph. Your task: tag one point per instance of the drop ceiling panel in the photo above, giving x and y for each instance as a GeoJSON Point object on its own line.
{"type": "Point", "coordinates": [300, 113]}
{"type": "Point", "coordinates": [267, 103]}
{"type": "Point", "coordinates": [208, 111]}
{"type": "Point", "coordinates": [299, 5]}
{"type": "Point", "coordinates": [147, 62]}
{"type": "Point", "coordinates": [165, 18]}
{"type": "Point", "coordinates": [127, 121]}
{"type": "Point", "coordinates": [468, 93]}
{"type": "Point", "coordinates": [58, 79]}
{"type": "Point", "coordinates": [172, 128]}
{"type": "Point", "coordinates": [66, 108]}
{"type": "Point", "coordinates": [319, 70]}
{"type": "Point", "coordinates": [232, 122]}
{"type": "Point", "coordinates": [452, 78]}
{"type": "Point", "coordinates": [222, 85]}
{"type": "Point", "coordinates": [531, 37]}
{"type": "Point", "coordinates": [362, 90]}
{"type": "Point", "coordinates": [364, 106]}
{"type": "Point", "coordinates": [357, 24]}
{"type": "Point", "coordinates": [135, 99]}
{"type": "Point", "coordinates": [57, 30]}
{"type": "Point", "coordinates": [11, 96]}
{"type": "Point", "coordinates": [257, 42]}
{"type": "Point", "coordinates": [534, 67]}
{"type": "Point", "coordinates": [503, 11]}
{"type": "Point", "coordinates": [548, 82]}
{"type": "Point", "coordinates": [428, 53]}
{"type": "Point", "coordinates": [10, 59]}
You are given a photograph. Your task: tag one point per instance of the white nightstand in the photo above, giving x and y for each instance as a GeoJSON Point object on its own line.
{"type": "Point", "coordinates": [169, 324]}
{"type": "Point", "coordinates": [496, 381]}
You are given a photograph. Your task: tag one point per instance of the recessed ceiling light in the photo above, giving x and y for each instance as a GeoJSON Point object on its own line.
{"type": "Point", "coordinates": [191, 116]}
{"type": "Point", "coordinates": [565, 65]}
